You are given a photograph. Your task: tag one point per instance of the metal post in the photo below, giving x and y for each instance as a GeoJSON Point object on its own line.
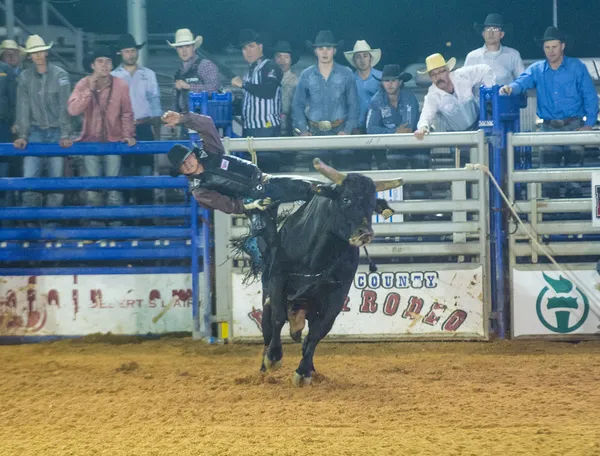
{"type": "Point", "coordinates": [137, 25]}
{"type": "Point", "coordinates": [45, 18]}
{"type": "Point", "coordinates": [79, 51]}
{"type": "Point", "coordinates": [555, 13]}
{"type": "Point", "coordinates": [196, 333]}
{"type": "Point", "coordinates": [10, 19]}
{"type": "Point", "coordinates": [207, 245]}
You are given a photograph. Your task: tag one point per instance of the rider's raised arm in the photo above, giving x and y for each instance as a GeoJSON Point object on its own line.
{"type": "Point", "coordinates": [205, 127]}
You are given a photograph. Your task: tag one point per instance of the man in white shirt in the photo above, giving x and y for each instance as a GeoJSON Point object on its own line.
{"type": "Point", "coordinates": [506, 62]}
{"type": "Point", "coordinates": [454, 96]}
{"type": "Point", "coordinates": [145, 101]}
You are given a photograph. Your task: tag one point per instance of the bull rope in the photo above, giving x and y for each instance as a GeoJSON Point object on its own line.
{"type": "Point", "coordinates": [251, 149]}
{"type": "Point", "coordinates": [567, 272]}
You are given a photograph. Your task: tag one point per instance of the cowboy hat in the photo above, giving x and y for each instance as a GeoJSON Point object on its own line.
{"type": "Point", "coordinates": [393, 72]}
{"type": "Point", "coordinates": [363, 46]}
{"type": "Point", "coordinates": [492, 20]}
{"type": "Point", "coordinates": [127, 41]}
{"type": "Point", "coordinates": [11, 45]}
{"type": "Point", "coordinates": [437, 61]}
{"type": "Point", "coordinates": [185, 37]}
{"type": "Point", "coordinates": [324, 38]}
{"type": "Point", "coordinates": [283, 47]}
{"type": "Point", "coordinates": [551, 34]}
{"type": "Point", "coordinates": [100, 50]}
{"type": "Point", "coordinates": [36, 43]}
{"type": "Point", "coordinates": [248, 36]}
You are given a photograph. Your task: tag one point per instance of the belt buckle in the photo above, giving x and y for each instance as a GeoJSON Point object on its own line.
{"type": "Point", "coordinates": [324, 125]}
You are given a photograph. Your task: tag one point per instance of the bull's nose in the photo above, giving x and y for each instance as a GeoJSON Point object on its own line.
{"type": "Point", "coordinates": [362, 237]}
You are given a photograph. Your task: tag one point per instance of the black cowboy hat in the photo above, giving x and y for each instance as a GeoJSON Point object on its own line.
{"type": "Point", "coordinates": [248, 36]}
{"type": "Point", "coordinates": [491, 20]}
{"type": "Point", "coordinates": [392, 72]}
{"type": "Point", "coordinates": [286, 48]}
{"type": "Point", "coordinates": [101, 50]}
{"type": "Point", "coordinates": [325, 38]}
{"type": "Point", "coordinates": [178, 154]}
{"type": "Point", "coordinates": [127, 41]}
{"type": "Point", "coordinates": [551, 34]}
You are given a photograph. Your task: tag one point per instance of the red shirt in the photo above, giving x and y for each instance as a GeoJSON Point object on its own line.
{"type": "Point", "coordinates": [107, 113]}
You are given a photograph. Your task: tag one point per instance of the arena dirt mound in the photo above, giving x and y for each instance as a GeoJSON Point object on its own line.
{"type": "Point", "coordinates": [127, 368]}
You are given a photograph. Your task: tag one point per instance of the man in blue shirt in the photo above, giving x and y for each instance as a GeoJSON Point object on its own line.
{"type": "Point", "coordinates": [392, 110]}
{"type": "Point", "coordinates": [565, 95]}
{"type": "Point", "coordinates": [326, 100]}
{"type": "Point", "coordinates": [364, 59]}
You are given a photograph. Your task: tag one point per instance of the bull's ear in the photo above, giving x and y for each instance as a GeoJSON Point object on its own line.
{"type": "Point", "coordinates": [328, 191]}
{"type": "Point", "coordinates": [382, 207]}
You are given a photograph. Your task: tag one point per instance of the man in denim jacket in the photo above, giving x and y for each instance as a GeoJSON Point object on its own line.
{"type": "Point", "coordinates": [326, 100]}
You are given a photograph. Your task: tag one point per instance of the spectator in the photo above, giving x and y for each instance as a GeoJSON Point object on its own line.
{"type": "Point", "coordinates": [364, 59]}
{"type": "Point", "coordinates": [286, 59]}
{"type": "Point", "coordinates": [453, 96]}
{"type": "Point", "coordinates": [261, 110]}
{"type": "Point", "coordinates": [107, 117]}
{"type": "Point", "coordinates": [195, 74]}
{"type": "Point", "coordinates": [394, 109]}
{"type": "Point", "coordinates": [565, 95]}
{"type": "Point", "coordinates": [8, 96]}
{"type": "Point", "coordinates": [11, 54]}
{"type": "Point", "coordinates": [326, 100]}
{"type": "Point", "coordinates": [145, 100]}
{"type": "Point", "coordinates": [42, 117]}
{"type": "Point", "coordinates": [506, 63]}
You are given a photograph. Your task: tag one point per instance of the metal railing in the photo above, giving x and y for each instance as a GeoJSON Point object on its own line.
{"type": "Point", "coordinates": [67, 244]}
{"type": "Point", "coordinates": [461, 233]}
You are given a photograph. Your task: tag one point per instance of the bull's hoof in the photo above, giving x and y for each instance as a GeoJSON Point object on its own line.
{"type": "Point", "coordinates": [271, 365]}
{"type": "Point", "coordinates": [296, 336]}
{"type": "Point", "coordinates": [299, 381]}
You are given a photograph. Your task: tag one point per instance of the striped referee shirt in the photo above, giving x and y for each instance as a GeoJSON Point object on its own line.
{"type": "Point", "coordinates": [262, 95]}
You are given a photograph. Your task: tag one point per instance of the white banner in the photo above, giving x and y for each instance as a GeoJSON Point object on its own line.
{"type": "Point", "coordinates": [547, 303]}
{"type": "Point", "coordinates": [596, 198]}
{"type": "Point", "coordinates": [391, 302]}
{"type": "Point", "coordinates": [86, 304]}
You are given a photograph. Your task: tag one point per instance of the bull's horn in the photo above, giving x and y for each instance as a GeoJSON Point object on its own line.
{"type": "Point", "coordinates": [332, 174]}
{"type": "Point", "coordinates": [389, 184]}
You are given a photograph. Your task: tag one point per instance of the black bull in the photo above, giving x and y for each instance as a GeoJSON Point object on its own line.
{"type": "Point", "coordinates": [315, 260]}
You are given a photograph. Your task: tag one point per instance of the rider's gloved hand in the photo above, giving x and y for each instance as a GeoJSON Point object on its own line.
{"type": "Point", "coordinates": [259, 204]}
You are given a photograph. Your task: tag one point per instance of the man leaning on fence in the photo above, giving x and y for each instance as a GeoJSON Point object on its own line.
{"type": "Point", "coordinates": [107, 117]}
{"type": "Point", "coordinates": [326, 100]}
{"type": "Point", "coordinates": [42, 117]}
{"type": "Point", "coordinates": [565, 95]}
{"type": "Point", "coordinates": [145, 100]}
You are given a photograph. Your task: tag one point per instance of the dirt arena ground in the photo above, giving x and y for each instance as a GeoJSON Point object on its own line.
{"type": "Point", "coordinates": [180, 397]}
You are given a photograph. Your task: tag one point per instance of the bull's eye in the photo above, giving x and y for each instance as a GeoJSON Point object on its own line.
{"type": "Point", "coordinates": [346, 200]}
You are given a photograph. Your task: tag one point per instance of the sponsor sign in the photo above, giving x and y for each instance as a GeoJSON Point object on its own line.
{"type": "Point", "coordinates": [79, 305]}
{"type": "Point", "coordinates": [548, 303]}
{"type": "Point", "coordinates": [391, 302]}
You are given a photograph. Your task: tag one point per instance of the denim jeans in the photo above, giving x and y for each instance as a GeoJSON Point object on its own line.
{"type": "Point", "coordinates": [102, 165]}
{"type": "Point", "coordinates": [33, 167]}
{"type": "Point", "coordinates": [344, 159]}
{"type": "Point", "coordinates": [5, 137]}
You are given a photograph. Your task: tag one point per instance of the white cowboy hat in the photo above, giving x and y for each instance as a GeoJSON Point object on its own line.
{"type": "Point", "coordinates": [185, 37]}
{"type": "Point", "coordinates": [437, 61]}
{"type": "Point", "coordinates": [363, 46]}
{"type": "Point", "coordinates": [11, 44]}
{"type": "Point", "coordinates": [36, 43]}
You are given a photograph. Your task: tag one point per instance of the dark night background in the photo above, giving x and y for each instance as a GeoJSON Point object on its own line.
{"type": "Point", "coordinates": [405, 30]}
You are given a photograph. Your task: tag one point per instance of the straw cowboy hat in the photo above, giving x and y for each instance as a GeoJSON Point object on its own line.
{"type": "Point", "coordinates": [185, 37]}
{"type": "Point", "coordinates": [363, 46]}
{"type": "Point", "coordinates": [36, 43]}
{"type": "Point", "coordinates": [11, 45]}
{"type": "Point", "coordinates": [437, 61]}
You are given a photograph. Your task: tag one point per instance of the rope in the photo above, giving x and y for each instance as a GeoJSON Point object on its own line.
{"type": "Point", "coordinates": [533, 238]}
{"type": "Point", "coordinates": [251, 149]}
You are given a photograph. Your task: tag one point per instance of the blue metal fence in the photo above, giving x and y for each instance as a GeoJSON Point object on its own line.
{"type": "Point", "coordinates": [185, 243]}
